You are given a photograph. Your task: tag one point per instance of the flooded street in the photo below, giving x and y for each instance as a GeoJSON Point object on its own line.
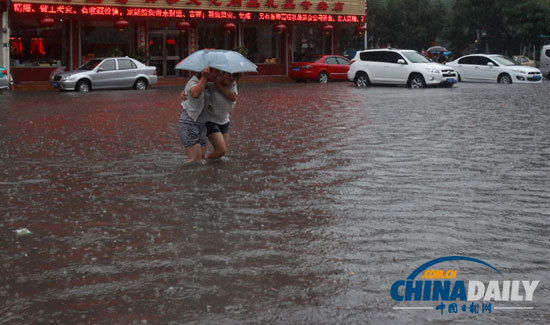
{"type": "Point", "coordinates": [327, 196]}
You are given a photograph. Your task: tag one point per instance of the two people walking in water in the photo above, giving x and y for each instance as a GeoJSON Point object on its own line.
{"type": "Point", "coordinates": [207, 100]}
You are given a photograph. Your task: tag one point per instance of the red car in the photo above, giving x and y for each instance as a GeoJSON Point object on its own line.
{"type": "Point", "coordinates": [322, 68]}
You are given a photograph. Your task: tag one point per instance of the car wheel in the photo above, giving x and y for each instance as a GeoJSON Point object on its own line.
{"type": "Point", "coordinates": [504, 79]}
{"type": "Point", "coordinates": [416, 81]}
{"type": "Point", "coordinates": [83, 86]}
{"type": "Point", "coordinates": [141, 84]}
{"type": "Point", "coordinates": [361, 80]}
{"type": "Point", "coordinates": [459, 77]}
{"type": "Point", "coordinates": [323, 77]}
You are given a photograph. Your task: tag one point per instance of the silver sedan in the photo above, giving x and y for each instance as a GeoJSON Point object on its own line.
{"type": "Point", "coordinates": [106, 73]}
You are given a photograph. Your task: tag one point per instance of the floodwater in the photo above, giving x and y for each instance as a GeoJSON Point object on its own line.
{"type": "Point", "coordinates": [328, 195]}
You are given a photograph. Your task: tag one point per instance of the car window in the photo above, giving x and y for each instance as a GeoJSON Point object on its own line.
{"type": "Point", "coordinates": [468, 60]}
{"type": "Point", "coordinates": [416, 57]}
{"type": "Point", "coordinates": [108, 65]}
{"type": "Point", "coordinates": [331, 60]}
{"type": "Point", "coordinates": [503, 60]}
{"type": "Point", "coordinates": [125, 64]}
{"type": "Point", "coordinates": [392, 57]}
{"type": "Point", "coordinates": [547, 53]}
{"type": "Point", "coordinates": [90, 65]}
{"type": "Point", "coordinates": [342, 61]}
{"type": "Point", "coordinates": [314, 59]}
{"type": "Point", "coordinates": [374, 56]}
{"type": "Point", "coordinates": [481, 60]}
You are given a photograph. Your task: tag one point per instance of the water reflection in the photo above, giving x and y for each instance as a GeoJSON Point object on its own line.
{"type": "Point", "coordinates": [328, 194]}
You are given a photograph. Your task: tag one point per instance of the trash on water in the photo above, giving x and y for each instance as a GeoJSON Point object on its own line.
{"type": "Point", "coordinates": [23, 232]}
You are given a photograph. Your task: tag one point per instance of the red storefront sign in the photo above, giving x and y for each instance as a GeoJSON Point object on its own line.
{"type": "Point", "coordinates": [69, 10]}
{"type": "Point", "coordinates": [343, 7]}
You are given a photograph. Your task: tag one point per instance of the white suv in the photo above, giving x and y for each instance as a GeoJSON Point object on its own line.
{"type": "Point", "coordinates": [398, 67]}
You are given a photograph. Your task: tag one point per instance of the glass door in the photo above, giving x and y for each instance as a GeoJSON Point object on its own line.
{"type": "Point", "coordinates": [173, 51]}
{"type": "Point", "coordinates": [166, 49]}
{"type": "Point", "coordinates": [156, 51]}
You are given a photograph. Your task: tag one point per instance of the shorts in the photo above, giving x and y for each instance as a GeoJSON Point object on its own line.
{"type": "Point", "coordinates": [191, 132]}
{"type": "Point", "coordinates": [212, 127]}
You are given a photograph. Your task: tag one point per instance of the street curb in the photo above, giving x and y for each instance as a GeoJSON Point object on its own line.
{"type": "Point", "coordinates": [162, 81]}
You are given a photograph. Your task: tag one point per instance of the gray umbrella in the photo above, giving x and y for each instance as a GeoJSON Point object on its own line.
{"type": "Point", "coordinates": [225, 60]}
{"type": "Point", "coordinates": [437, 49]}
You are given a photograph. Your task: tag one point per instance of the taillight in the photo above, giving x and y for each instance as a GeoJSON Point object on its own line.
{"type": "Point", "coordinates": [351, 62]}
{"type": "Point", "coordinates": [5, 72]}
{"type": "Point", "coordinates": [155, 72]}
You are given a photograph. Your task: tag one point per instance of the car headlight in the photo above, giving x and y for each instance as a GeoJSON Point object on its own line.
{"type": "Point", "coordinates": [65, 78]}
{"type": "Point", "coordinates": [519, 71]}
{"type": "Point", "coordinates": [431, 70]}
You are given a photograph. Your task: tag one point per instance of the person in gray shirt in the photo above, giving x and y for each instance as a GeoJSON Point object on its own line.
{"type": "Point", "coordinates": [192, 128]}
{"type": "Point", "coordinates": [223, 96]}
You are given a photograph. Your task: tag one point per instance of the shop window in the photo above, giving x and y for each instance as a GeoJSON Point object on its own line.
{"type": "Point", "coordinates": [37, 47]}
{"type": "Point", "coordinates": [212, 37]}
{"type": "Point", "coordinates": [308, 42]}
{"type": "Point", "coordinates": [33, 46]}
{"type": "Point", "coordinates": [262, 44]}
{"type": "Point", "coordinates": [100, 39]}
{"type": "Point", "coordinates": [349, 43]}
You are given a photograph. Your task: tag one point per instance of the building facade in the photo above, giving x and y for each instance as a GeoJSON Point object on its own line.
{"type": "Point", "coordinates": [63, 34]}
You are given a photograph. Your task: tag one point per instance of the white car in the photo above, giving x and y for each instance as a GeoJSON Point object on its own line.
{"type": "Point", "coordinates": [493, 68]}
{"type": "Point", "coordinates": [398, 67]}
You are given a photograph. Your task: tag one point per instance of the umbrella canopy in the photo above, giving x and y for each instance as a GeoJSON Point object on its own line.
{"type": "Point", "coordinates": [437, 49]}
{"type": "Point", "coordinates": [228, 61]}
{"type": "Point", "coordinates": [194, 62]}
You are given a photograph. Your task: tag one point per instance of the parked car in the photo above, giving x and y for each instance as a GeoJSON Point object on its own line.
{"type": "Point", "coordinates": [398, 67]}
{"type": "Point", "coordinates": [493, 68]}
{"type": "Point", "coordinates": [322, 68]}
{"type": "Point", "coordinates": [105, 73]}
{"type": "Point", "coordinates": [544, 62]}
{"type": "Point", "coordinates": [524, 60]}
{"type": "Point", "coordinates": [4, 79]}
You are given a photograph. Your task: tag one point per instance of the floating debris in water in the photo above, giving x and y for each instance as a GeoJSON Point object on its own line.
{"type": "Point", "coordinates": [23, 232]}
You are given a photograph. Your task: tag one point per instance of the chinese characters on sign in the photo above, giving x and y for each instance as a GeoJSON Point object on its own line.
{"type": "Point", "coordinates": [28, 8]}
{"type": "Point", "coordinates": [473, 308]}
{"type": "Point", "coordinates": [321, 5]}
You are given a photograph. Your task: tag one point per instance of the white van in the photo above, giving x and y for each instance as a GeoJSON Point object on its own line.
{"type": "Point", "coordinates": [544, 63]}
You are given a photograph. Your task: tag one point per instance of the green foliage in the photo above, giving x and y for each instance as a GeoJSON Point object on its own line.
{"type": "Point", "coordinates": [457, 23]}
{"type": "Point", "coordinates": [115, 51]}
{"type": "Point", "coordinates": [140, 54]}
{"type": "Point", "coordinates": [243, 50]}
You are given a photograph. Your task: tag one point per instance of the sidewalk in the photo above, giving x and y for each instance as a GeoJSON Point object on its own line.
{"type": "Point", "coordinates": [162, 81]}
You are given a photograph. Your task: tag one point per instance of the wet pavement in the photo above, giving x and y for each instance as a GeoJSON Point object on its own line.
{"type": "Point", "coordinates": [328, 195]}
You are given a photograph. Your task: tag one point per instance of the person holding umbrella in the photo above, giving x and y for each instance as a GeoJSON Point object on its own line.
{"type": "Point", "coordinates": [219, 98]}
{"type": "Point", "coordinates": [222, 101]}
{"type": "Point", "coordinates": [192, 121]}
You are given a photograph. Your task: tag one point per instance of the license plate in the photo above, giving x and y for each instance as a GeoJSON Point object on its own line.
{"type": "Point", "coordinates": [451, 80]}
{"type": "Point", "coordinates": [537, 78]}
{"type": "Point", "coordinates": [55, 84]}
{"type": "Point", "coordinates": [296, 69]}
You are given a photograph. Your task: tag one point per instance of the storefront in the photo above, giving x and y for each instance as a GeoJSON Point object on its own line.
{"type": "Point", "coordinates": [50, 35]}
